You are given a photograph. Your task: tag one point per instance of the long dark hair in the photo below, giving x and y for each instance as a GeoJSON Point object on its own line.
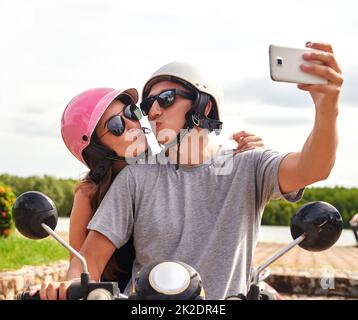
{"type": "Point", "coordinates": [119, 267]}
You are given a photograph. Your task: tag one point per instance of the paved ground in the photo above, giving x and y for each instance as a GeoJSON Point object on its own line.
{"type": "Point", "coordinates": [342, 259]}
{"type": "Point", "coordinates": [301, 271]}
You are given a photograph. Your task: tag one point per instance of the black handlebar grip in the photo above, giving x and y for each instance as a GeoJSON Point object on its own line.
{"type": "Point", "coordinates": [25, 295]}
{"type": "Point", "coordinates": [73, 293]}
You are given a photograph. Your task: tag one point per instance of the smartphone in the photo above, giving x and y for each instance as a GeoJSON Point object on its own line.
{"type": "Point", "coordinates": [285, 65]}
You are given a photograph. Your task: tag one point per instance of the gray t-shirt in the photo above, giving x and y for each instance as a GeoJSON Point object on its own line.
{"type": "Point", "coordinates": [207, 216]}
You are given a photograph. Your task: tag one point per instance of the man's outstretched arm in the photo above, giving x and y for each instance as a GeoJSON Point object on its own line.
{"type": "Point", "coordinates": [316, 159]}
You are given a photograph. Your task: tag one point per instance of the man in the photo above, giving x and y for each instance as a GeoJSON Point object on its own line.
{"type": "Point", "coordinates": [205, 208]}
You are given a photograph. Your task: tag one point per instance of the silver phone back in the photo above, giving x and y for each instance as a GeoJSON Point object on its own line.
{"type": "Point", "coordinates": [285, 66]}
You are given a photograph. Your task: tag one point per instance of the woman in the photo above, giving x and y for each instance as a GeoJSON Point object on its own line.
{"type": "Point", "coordinates": [101, 129]}
{"type": "Point", "coordinates": [93, 126]}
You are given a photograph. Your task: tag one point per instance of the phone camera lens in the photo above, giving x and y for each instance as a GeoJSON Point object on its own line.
{"type": "Point", "coordinates": [279, 61]}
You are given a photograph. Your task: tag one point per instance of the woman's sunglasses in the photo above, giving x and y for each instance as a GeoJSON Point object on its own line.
{"type": "Point", "coordinates": [165, 99]}
{"type": "Point", "coordinates": [116, 124]}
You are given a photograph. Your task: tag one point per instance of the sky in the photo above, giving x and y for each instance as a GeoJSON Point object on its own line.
{"type": "Point", "coordinates": [52, 50]}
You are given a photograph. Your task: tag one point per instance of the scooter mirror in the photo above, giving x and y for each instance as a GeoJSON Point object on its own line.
{"type": "Point", "coordinates": [30, 210]}
{"type": "Point", "coordinates": [322, 224]}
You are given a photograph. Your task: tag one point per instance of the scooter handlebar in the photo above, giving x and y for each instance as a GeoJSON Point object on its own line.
{"type": "Point", "coordinates": [73, 293]}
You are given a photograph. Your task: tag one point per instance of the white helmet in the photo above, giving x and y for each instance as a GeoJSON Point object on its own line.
{"type": "Point", "coordinates": [194, 79]}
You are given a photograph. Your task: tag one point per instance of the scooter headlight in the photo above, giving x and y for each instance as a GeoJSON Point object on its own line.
{"type": "Point", "coordinates": [169, 278]}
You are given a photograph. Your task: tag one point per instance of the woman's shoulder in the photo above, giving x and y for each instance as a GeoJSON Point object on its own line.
{"type": "Point", "coordinates": [85, 190]}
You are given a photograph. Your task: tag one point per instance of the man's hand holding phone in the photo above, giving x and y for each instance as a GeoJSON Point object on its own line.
{"type": "Point", "coordinates": [315, 69]}
{"type": "Point", "coordinates": [325, 96]}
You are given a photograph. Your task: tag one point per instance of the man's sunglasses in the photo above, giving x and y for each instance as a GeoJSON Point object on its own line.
{"type": "Point", "coordinates": [165, 99]}
{"type": "Point", "coordinates": [116, 124]}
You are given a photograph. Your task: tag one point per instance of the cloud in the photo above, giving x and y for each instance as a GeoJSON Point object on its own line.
{"type": "Point", "coordinates": [51, 52]}
{"type": "Point", "coordinates": [39, 130]}
{"type": "Point", "coordinates": [265, 115]}
{"type": "Point", "coordinates": [32, 124]}
{"type": "Point", "coordinates": [267, 92]}
{"type": "Point", "coordinates": [278, 120]}
{"type": "Point", "coordinates": [30, 110]}
{"type": "Point", "coordinates": [349, 94]}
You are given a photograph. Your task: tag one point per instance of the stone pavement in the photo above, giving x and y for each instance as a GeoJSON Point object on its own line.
{"type": "Point", "coordinates": [330, 272]}
{"type": "Point", "coordinates": [342, 259]}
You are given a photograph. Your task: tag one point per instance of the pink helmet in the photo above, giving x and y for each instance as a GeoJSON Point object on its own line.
{"type": "Point", "coordinates": [82, 114]}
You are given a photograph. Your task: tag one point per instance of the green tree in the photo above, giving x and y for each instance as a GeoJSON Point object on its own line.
{"type": "Point", "coordinates": [7, 199]}
{"type": "Point", "coordinates": [61, 191]}
{"type": "Point", "coordinates": [279, 212]}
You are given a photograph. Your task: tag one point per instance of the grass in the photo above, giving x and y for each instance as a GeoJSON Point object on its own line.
{"type": "Point", "coordinates": [17, 251]}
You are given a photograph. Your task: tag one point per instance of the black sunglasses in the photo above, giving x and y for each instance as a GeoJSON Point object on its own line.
{"type": "Point", "coordinates": [165, 99]}
{"type": "Point", "coordinates": [116, 124]}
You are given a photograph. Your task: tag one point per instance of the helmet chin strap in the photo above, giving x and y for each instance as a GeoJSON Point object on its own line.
{"type": "Point", "coordinates": [100, 170]}
{"type": "Point", "coordinates": [104, 165]}
{"type": "Point", "coordinates": [177, 141]}
{"type": "Point", "coordinates": [107, 158]}
{"type": "Point", "coordinates": [210, 124]}
{"type": "Point", "coordinates": [195, 117]}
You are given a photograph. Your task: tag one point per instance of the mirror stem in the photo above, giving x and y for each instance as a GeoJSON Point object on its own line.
{"type": "Point", "coordinates": [256, 275]}
{"type": "Point", "coordinates": [67, 246]}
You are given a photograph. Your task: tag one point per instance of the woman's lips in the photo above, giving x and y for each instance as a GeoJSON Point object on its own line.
{"type": "Point", "coordinates": [136, 135]}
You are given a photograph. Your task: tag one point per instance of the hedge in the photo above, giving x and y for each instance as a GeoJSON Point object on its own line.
{"type": "Point", "coordinates": [344, 199]}
{"type": "Point", "coordinates": [7, 199]}
{"type": "Point", "coordinates": [277, 212]}
{"type": "Point", "coordinates": [59, 190]}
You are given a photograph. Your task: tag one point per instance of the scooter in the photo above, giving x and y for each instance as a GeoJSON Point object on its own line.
{"type": "Point", "coordinates": [316, 226]}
